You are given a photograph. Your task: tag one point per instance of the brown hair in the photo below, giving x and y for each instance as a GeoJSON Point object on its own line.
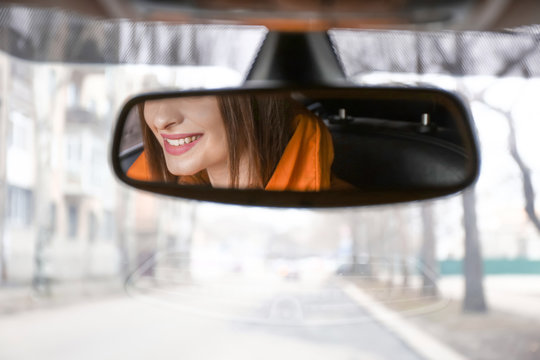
{"type": "Point", "coordinates": [259, 126]}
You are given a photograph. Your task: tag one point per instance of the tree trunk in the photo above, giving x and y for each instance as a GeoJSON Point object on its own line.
{"type": "Point", "coordinates": [474, 300]}
{"type": "Point", "coordinates": [429, 261]}
{"type": "Point", "coordinates": [188, 247]}
{"type": "Point", "coordinates": [3, 205]}
{"type": "Point", "coordinates": [528, 188]}
{"type": "Point", "coordinates": [123, 230]}
{"type": "Point", "coordinates": [42, 212]}
{"type": "Point", "coordinates": [353, 221]}
{"type": "Point", "coordinates": [3, 183]}
{"type": "Point", "coordinates": [3, 257]}
{"type": "Point", "coordinates": [403, 232]}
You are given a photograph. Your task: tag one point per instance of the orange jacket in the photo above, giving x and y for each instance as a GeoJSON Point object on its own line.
{"type": "Point", "coordinates": [307, 160]}
{"type": "Point", "coordinates": [304, 166]}
{"type": "Point", "coordinates": [139, 170]}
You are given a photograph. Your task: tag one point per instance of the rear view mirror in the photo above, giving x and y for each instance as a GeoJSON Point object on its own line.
{"type": "Point", "coordinates": [308, 147]}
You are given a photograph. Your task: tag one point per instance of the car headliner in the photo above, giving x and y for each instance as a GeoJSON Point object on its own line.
{"type": "Point", "coordinates": [309, 15]}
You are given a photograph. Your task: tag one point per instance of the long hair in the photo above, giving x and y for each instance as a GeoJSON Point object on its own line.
{"type": "Point", "coordinates": [258, 127]}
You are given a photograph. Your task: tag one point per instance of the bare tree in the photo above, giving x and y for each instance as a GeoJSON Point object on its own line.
{"type": "Point", "coordinates": [429, 261]}
{"type": "Point", "coordinates": [43, 214]}
{"type": "Point", "coordinates": [474, 300]}
{"type": "Point", "coordinates": [526, 176]}
{"type": "Point", "coordinates": [474, 290]}
{"type": "Point", "coordinates": [360, 242]}
{"type": "Point", "coordinates": [403, 233]}
{"type": "Point", "coordinates": [3, 187]}
{"type": "Point", "coordinates": [528, 189]}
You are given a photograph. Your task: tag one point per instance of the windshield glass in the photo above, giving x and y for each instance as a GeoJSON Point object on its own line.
{"type": "Point", "coordinates": [90, 268]}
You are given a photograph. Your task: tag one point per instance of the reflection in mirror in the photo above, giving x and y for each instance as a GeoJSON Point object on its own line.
{"type": "Point", "coordinates": [267, 142]}
{"type": "Point", "coordinates": [299, 140]}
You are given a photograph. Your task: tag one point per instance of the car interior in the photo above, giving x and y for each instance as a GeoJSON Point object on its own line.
{"type": "Point", "coordinates": [385, 140]}
{"type": "Point", "coordinates": [431, 251]}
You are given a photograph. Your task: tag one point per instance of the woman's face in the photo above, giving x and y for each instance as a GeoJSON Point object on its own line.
{"type": "Point", "coordinates": [192, 134]}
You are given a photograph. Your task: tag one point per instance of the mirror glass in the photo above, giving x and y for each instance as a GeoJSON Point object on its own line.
{"type": "Point", "coordinates": [383, 141]}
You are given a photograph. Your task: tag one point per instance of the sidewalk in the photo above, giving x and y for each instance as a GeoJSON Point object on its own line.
{"type": "Point", "coordinates": [508, 330]}
{"type": "Point", "coordinates": [515, 294]}
{"type": "Point", "coordinates": [421, 342]}
{"type": "Point", "coordinates": [15, 298]}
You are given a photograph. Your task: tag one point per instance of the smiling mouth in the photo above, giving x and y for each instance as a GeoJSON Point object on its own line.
{"type": "Point", "coordinates": [178, 144]}
{"type": "Point", "coordinates": [183, 141]}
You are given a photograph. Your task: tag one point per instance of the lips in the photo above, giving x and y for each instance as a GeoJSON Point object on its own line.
{"type": "Point", "coordinates": [178, 144]}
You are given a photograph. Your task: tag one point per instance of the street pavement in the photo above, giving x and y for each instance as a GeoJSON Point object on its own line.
{"type": "Point", "coordinates": [514, 294]}
{"type": "Point", "coordinates": [155, 323]}
{"type": "Point", "coordinates": [228, 320]}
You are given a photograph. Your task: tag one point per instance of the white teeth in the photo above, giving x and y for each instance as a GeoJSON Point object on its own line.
{"type": "Point", "coordinates": [180, 142]}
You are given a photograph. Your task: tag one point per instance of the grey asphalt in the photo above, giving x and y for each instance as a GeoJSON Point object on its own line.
{"type": "Point", "coordinates": [153, 326]}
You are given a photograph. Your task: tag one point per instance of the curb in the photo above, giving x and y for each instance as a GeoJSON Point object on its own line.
{"type": "Point", "coordinates": [425, 345]}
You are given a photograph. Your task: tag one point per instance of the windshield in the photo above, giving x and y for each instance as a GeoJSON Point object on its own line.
{"type": "Point", "coordinates": [92, 269]}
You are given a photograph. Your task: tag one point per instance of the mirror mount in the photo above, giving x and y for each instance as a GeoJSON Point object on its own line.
{"type": "Point", "coordinates": [297, 58]}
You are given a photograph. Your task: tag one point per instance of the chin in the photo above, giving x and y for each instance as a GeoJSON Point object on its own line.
{"type": "Point", "coordinates": [182, 172]}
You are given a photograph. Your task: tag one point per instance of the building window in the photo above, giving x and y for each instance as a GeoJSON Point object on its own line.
{"type": "Point", "coordinates": [19, 205]}
{"type": "Point", "coordinates": [52, 217]}
{"type": "Point", "coordinates": [73, 220]}
{"type": "Point", "coordinates": [92, 227]}
{"type": "Point", "coordinates": [108, 224]}
{"type": "Point", "coordinates": [73, 155]}
{"type": "Point", "coordinates": [73, 95]}
{"type": "Point", "coordinates": [19, 133]}
{"type": "Point", "coordinates": [21, 71]}
{"type": "Point", "coordinates": [97, 165]}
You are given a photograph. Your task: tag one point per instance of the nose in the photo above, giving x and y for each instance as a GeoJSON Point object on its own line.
{"type": "Point", "coordinates": [162, 114]}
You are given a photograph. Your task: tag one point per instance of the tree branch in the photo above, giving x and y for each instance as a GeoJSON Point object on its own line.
{"type": "Point", "coordinates": [518, 59]}
{"type": "Point", "coordinates": [528, 188]}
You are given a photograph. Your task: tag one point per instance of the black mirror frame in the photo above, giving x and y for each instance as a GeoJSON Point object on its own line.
{"type": "Point", "coordinates": [324, 199]}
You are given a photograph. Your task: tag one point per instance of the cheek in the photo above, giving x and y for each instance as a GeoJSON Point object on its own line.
{"type": "Point", "coordinates": [158, 138]}
{"type": "Point", "coordinates": [220, 139]}
{"type": "Point", "coordinates": [149, 123]}
{"type": "Point", "coordinates": [215, 145]}
{"type": "Point", "coordinates": [221, 149]}
{"type": "Point", "coordinates": [213, 153]}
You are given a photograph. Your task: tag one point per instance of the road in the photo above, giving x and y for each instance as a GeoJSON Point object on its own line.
{"type": "Point", "coordinates": [150, 324]}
